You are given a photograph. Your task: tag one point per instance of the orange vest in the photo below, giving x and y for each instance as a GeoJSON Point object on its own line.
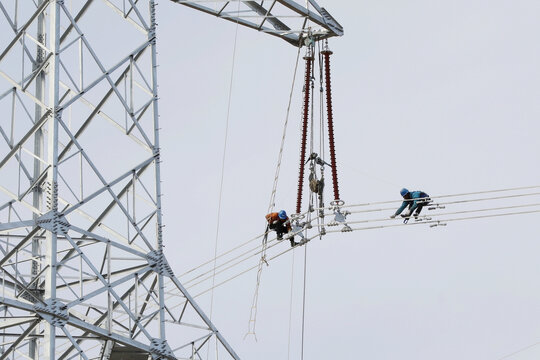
{"type": "Point", "coordinates": [273, 217]}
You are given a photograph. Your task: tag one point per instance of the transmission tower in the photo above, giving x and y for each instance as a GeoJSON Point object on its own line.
{"type": "Point", "coordinates": [82, 272]}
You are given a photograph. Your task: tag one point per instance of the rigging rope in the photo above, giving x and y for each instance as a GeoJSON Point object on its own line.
{"type": "Point", "coordinates": [223, 174]}
{"type": "Point", "coordinates": [253, 311]}
{"type": "Point", "coordinates": [304, 300]}
{"type": "Point", "coordinates": [290, 308]}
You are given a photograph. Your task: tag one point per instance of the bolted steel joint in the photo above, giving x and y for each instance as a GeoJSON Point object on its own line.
{"type": "Point", "coordinates": [53, 311]}
{"type": "Point", "coordinates": [159, 263]}
{"type": "Point", "coordinates": [161, 350]}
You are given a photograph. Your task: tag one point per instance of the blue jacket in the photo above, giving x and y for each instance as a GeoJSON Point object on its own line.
{"type": "Point", "coordinates": [413, 201]}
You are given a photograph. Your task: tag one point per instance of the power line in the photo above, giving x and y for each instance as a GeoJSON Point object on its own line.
{"type": "Point", "coordinates": [430, 222]}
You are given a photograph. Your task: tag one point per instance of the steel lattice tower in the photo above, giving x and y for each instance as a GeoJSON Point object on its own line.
{"type": "Point", "coordinates": [82, 273]}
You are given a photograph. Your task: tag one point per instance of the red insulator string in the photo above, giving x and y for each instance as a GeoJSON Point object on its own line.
{"type": "Point", "coordinates": [307, 87]}
{"type": "Point", "coordinates": [326, 53]}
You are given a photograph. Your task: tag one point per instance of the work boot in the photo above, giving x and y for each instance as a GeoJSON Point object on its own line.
{"type": "Point", "coordinates": [280, 236]}
{"type": "Point", "coordinates": [293, 243]}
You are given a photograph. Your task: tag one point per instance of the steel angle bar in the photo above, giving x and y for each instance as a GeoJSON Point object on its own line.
{"type": "Point", "coordinates": [142, 29]}
{"type": "Point", "coordinates": [142, 109]}
{"type": "Point", "coordinates": [19, 339]}
{"type": "Point", "coordinates": [30, 117]}
{"type": "Point", "coordinates": [106, 73]}
{"type": "Point", "coordinates": [145, 302]}
{"type": "Point", "coordinates": [19, 87]}
{"type": "Point", "coordinates": [96, 171]}
{"type": "Point", "coordinates": [22, 30]}
{"type": "Point", "coordinates": [79, 15]}
{"type": "Point", "coordinates": [142, 228]}
{"type": "Point", "coordinates": [97, 237]}
{"type": "Point", "coordinates": [103, 317]}
{"type": "Point", "coordinates": [16, 225]}
{"type": "Point", "coordinates": [72, 340]}
{"type": "Point", "coordinates": [67, 185]}
{"type": "Point", "coordinates": [136, 10]}
{"type": "Point", "coordinates": [69, 44]}
{"type": "Point", "coordinates": [206, 337]}
{"type": "Point", "coordinates": [36, 42]}
{"type": "Point", "coordinates": [19, 200]}
{"type": "Point", "coordinates": [9, 203]}
{"type": "Point", "coordinates": [7, 92]}
{"type": "Point", "coordinates": [94, 279]}
{"type": "Point", "coordinates": [28, 134]}
{"type": "Point", "coordinates": [145, 189]}
{"type": "Point", "coordinates": [117, 125]}
{"type": "Point", "coordinates": [205, 318]}
{"type": "Point", "coordinates": [23, 167]}
{"type": "Point", "coordinates": [287, 37]}
{"type": "Point", "coordinates": [70, 79]}
{"type": "Point", "coordinates": [106, 286]}
{"type": "Point", "coordinates": [14, 321]}
{"type": "Point", "coordinates": [149, 89]}
{"type": "Point", "coordinates": [36, 72]}
{"type": "Point", "coordinates": [268, 13]}
{"type": "Point", "coordinates": [19, 284]}
{"type": "Point", "coordinates": [104, 334]}
{"type": "Point", "coordinates": [106, 186]}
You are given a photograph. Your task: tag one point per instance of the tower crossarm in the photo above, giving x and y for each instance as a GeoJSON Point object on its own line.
{"type": "Point", "coordinates": [285, 19]}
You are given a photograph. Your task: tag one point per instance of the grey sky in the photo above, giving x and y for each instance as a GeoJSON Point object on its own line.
{"type": "Point", "coordinates": [440, 96]}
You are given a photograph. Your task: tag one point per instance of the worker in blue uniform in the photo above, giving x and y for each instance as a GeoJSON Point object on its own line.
{"type": "Point", "coordinates": [414, 200]}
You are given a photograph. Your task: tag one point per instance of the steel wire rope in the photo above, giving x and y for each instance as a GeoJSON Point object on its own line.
{"type": "Point", "coordinates": [519, 351]}
{"type": "Point", "coordinates": [441, 221]}
{"type": "Point", "coordinates": [275, 243]}
{"type": "Point", "coordinates": [223, 171]}
{"type": "Point", "coordinates": [253, 310]}
{"type": "Point", "coordinates": [257, 251]}
{"type": "Point", "coordinates": [446, 195]}
{"type": "Point", "coordinates": [231, 250]}
{"type": "Point", "coordinates": [370, 228]}
{"type": "Point", "coordinates": [449, 213]}
{"type": "Point", "coordinates": [370, 221]}
{"type": "Point", "coordinates": [290, 308]}
{"type": "Point", "coordinates": [375, 210]}
{"type": "Point", "coordinates": [453, 202]}
{"type": "Point", "coordinates": [253, 267]}
{"type": "Point", "coordinates": [364, 211]}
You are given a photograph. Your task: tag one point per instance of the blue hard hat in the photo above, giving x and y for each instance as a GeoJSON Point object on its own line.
{"type": "Point", "coordinates": [282, 215]}
{"type": "Point", "coordinates": [404, 191]}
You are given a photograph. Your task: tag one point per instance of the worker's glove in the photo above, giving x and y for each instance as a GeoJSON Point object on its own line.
{"type": "Point", "coordinates": [392, 216]}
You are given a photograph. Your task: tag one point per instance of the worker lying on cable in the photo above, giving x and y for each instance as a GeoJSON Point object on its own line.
{"type": "Point", "coordinates": [415, 200]}
{"type": "Point", "coordinates": [279, 221]}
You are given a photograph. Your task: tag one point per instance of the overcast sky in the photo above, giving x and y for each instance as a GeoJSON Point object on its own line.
{"type": "Point", "coordinates": [440, 96]}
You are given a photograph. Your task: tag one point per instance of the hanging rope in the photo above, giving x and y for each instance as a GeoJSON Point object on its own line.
{"type": "Point", "coordinates": [253, 311]}
{"type": "Point", "coordinates": [304, 300]}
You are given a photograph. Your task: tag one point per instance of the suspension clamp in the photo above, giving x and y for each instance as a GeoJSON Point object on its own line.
{"type": "Point", "coordinates": [436, 206]}
{"type": "Point", "coordinates": [437, 224]}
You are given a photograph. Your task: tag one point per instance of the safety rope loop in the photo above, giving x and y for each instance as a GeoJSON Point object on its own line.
{"type": "Point", "coordinates": [305, 116]}
{"type": "Point", "coordinates": [326, 53]}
